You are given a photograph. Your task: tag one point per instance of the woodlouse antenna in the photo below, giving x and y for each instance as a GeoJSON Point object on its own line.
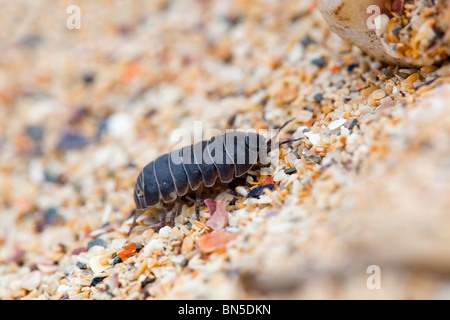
{"type": "Point", "coordinates": [288, 141]}
{"type": "Point", "coordinates": [269, 142]}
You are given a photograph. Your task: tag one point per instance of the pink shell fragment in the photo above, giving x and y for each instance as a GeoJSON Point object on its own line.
{"type": "Point", "coordinates": [397, 6]}
{"type": "Point", "coordinates": [220, 218]}
{"type": "Point", "coordinates": [211, 204]}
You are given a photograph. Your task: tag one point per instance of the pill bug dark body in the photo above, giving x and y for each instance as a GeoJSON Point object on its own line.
{"type": "Point", "coordinates": [187, 170]}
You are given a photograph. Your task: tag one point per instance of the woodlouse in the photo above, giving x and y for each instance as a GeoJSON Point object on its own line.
{"type": "Point", "coordinates": [174, 175]}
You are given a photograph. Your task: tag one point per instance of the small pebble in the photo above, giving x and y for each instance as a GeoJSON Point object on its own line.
{"type": "Point", "coordinates": [116, 260]}
{"type": "Point", "coordinates": [378, 94]}
{"type": "Point", "coordinates": [336, 124]}
{"type": "Point", "coordinates": [31, 280]}
{"type": "Point", "coordinates": [96, 242]}
{"type": "Point", "coordinates": [351, 123]}
{"type": "Point", "coordinates": [290, 171]}
{"type": "Point", "coordinates": [120, 125]}
{"type": "Point", "coordinates": [320, 62]}
{"type": "Point", "coordinates": [242, 191]}
{"type": "Point", "coordinates": [154, 244]}
{"type": "Point", "coordinates": [72, 140]}
{"type": "Point", "coordinates": [187, 245]}
{"type": "Point", "coordinates": [279, 176]}
{"type": "Point", "coordinates": [256, 192]}
{"type": "Point", "coordinates": [314, 138]}
{"type": "Point", "coordinates": [165, 232]}
{"type": "Point", "coordinates": [99, 263]}
{"type": "Point", "coordinates": [304, 116]}
{"type": "Point", "coordinates": [95, 281]}
{"type": "Point", "coordinates": [318, 97]}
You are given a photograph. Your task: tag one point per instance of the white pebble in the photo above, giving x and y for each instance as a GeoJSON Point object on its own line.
{"type": "Point", "coordinates": [280, 176]}
{"type": "Point", "coordinates": [242, 191]}
{"type": "Point", "coordinates": [386, 103]}
{"type": "Point", "coordinates": [242, 213]}
{"type": "Point", "coordinates": [119, 125]}
{"type": "Point", "coordinates": [98, 265]}
{"type": "Point", "coordinates": [32, 280]}
{"type": "Point", "coordinates": [117, 243]}
{"type": "Point", "coordinates": [62, 288]}
{"type": "Point", "coordinates": [300, 132]}
{"type": "Point", "coordinates": [36, 171]}
{"type": "Point", "coordinates": [82, 260]}
{"type": "Point", "coordinates": [344, 131]}
{"type": "Point", "coordinates": [336, 124]}
{"type": "Point", "coordinates": [165, 232]}
{"type": "Point", "coordinates": [178, 259]}
{"type": "Point", "coordinates": [154, 244]}
{"type": "Point", "coordinates": [263, 199]}
{"type": "Point", "coordinates": [314, 138]}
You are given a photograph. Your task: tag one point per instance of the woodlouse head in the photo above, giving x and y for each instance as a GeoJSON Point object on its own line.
{"type": "Point", "coordinates": [258, 147]}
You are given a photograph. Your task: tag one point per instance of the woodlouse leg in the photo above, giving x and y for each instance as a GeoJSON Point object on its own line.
{"type": "Point", "coordinates": [163, 218]}
{"type": "Point", "coordinates": [158, 225]}
{"type": "Point", "coordinates": [198, 199]}
{"type": "Point", "coordinates": [175, 212]}
{"type": "Point", "coordinates": [161, 223]}
{"type": "Point", "coordinates": [135, 214]}
{"type": "Point", "coordinates": [233, 193]}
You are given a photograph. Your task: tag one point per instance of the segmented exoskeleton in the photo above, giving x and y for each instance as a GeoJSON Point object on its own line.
{"type": "Point", "coordinates": [187, 170]}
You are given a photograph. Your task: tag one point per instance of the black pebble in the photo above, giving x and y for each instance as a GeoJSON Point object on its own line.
{"type": "Point", "coordinates": [71, 140]}
{"type": "Point", "coordinates": [439, 33]}
{"type": "Point", "coordinates": [51, 215]}
{"type": "Point", "coordinates": [306, 41]}
{"type": "Point", "coordinates": [318, 97]}
{"type": "Point", "coordinates": [396, 31]}
{"type": "Point", "coordinates": [88, 78]}
{"type": "Point", "coordinates": [320, 62]}
{"type": "Point", "coordinates": [184, 263]}
{"type": "Point", "coordinates": [95, 281]}
{"type": "Point", "coordinates": [352, 66]}
{"type": "Point", "coordinates": [255, 193]}
{"type": "Point", "coordinates": [352, 124]}
{"type": "Point", "coordinates": [147, 281]}
{"type": "Point", "coordinates": [96, 242]}
{"type": "Point", "coordinates": [116, 260]}
{"type": "Point", "coordinates": [290, 171]}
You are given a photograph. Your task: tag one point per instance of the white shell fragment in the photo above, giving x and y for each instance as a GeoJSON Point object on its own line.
{"type": "Point", "coordinates": [99, 263]}
{"type": "Point", "coordinates": [336, 124]}
{"type": "Point", "coordinates": [314, 138]}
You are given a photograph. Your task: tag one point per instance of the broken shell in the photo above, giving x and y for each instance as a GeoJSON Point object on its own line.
{"type": "Point", "coordinates": [99, 263]}
{"type": "Point", "coordinates": [383, 30]}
